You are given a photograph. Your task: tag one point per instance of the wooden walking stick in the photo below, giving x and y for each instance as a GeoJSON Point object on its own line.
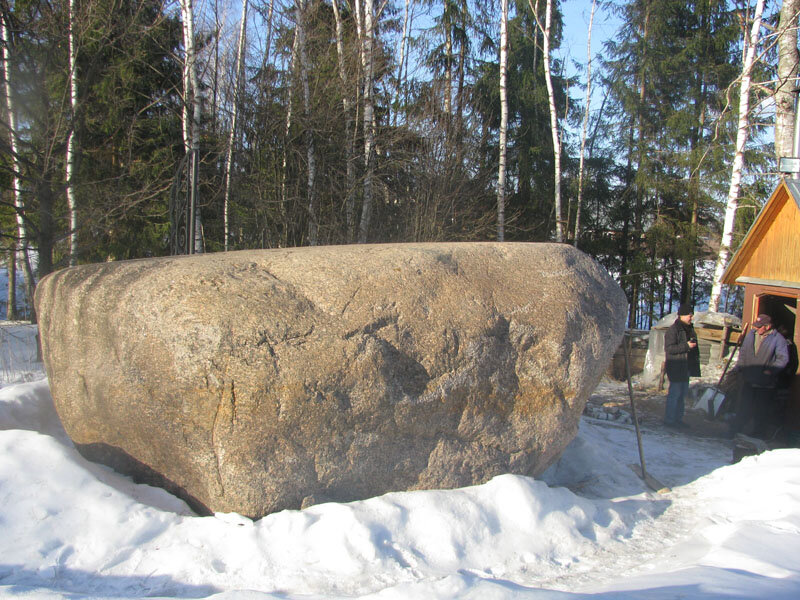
{"type": "Point", "coordinates": [641, 469]}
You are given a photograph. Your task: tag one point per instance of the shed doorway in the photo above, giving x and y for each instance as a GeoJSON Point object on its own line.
{"type": "Point", "coordinates": [782, 309]}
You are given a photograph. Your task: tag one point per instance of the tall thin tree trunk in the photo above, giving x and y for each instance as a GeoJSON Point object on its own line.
{"type": "Point", "coordinates": [191, 122]}
{"type": "Point", "coordinates": [548, 18]}
{"type": "Point", "coordinates": [633, 243]}
{"type": "Point", "coordinates": [738, 159]}
{"type": "Point", "coordinates": [311, 173]}
{"type": "Point", "coordinates": [22, 252]}
{"type": "Point", "coordinates": [448, 71]}
{"type": "Point", "coordinates": [70, 158]}
{"type": "Point", "coordinates": [585, 125]}
{"type": "Point", "coordinates": [287, 132]}
{"type": "Point", "coordinates": [237, 94]}
{"type": "Point", "coordinates": [458, 126]}
{"type": "Point", "coordinates": [268, 46]}
{"type": "Point", "coordinates": [399, 85]}
{"type": "Point", "coordinates": [501, 172]}
{"type": "Point", "coordinates": [349, 126]}
{"type": "Point", "coordinates": [11, 301]}
{"type": "Point", "coordinates": [369, 125]}
{"type": "Point", "coordinates": [785, 94]}
{"type": "Point", "coordinates": [218, 25]}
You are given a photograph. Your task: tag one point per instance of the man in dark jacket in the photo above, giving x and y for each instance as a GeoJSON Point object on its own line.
{"type": "Point", "coordinates": [762, 357]}
{"type": "Point", "coordinates": [683, 361]}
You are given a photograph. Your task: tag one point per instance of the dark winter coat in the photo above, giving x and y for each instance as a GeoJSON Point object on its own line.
{"type": "Point", "coordinates": [682, 361]}
{"type": "Point", "coordinates": [786, 377]}
{"type": "Point", "coordinates": [762, 368]}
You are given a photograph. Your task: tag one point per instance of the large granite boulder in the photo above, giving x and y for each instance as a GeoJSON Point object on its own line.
{"type": "Point", "coordinates": [253, 381]}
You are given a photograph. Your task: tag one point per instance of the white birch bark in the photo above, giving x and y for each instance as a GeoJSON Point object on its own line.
{"type": "Point", "coordinates": [191, 122]}
{"type": "Point", "coordinates": [70, 158]}
{"type": "Point", "coordinates": [349, 204]}
{"type": "Point", "coordinates": [311, 169]}
{"type": "Point", "coordinates": [369, 126]}
{"type": "Point", "coordinates": [288, 123]}
{"type": "Point", "coordinates": [187, 84]}
{"type": "Point", "coordinates": [23, 253]}
{"type": "Point", "coordinates": [785, 94]}
{"type": "Point", "coordinates": [738, 159]}
{"type": "Point", "coordinates": [501, 171]}
{"type": "Point", "coordinates": [585, 124]}
{"type": "Point", "coordinates": [448, 70]}
{"type": "Point", "coordinates": [553, 116]}
{"type": "Point", "coordinates": [237, 93]}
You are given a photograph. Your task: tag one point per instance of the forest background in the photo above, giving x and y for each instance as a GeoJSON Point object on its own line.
{"type": "Point", "coordinates": [136, 128]}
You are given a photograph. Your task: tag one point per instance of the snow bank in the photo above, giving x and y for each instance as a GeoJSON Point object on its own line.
{"type": "Point", "coordinates": [74, 529]}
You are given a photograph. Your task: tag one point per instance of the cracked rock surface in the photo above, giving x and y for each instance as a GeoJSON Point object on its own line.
{"type": "Point", "coordinates": [257, 381]}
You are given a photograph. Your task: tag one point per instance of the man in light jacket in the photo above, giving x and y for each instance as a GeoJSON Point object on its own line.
{"type": "Point", "coordinates": [762, 357]}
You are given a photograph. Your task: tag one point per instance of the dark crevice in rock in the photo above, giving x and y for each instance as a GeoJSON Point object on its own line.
{"type": "Point", "coordinates": [214, 440]}
{"type": "Point", "coordinates": [350, 300]}
{"type": "Point", "coordinates": [374, 326]}
{"type": "Point", "coordinates": [127, 465]}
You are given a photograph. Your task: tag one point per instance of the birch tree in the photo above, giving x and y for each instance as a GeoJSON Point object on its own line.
{"type": "Point", "coordinates": [311, 166]}
{"type": "Point", "coordinates": [553, 114]}
{"type": "Point", "coordinates": [237, 95]}
{"type": "Point", "coordinates": [751, 42]}
{"type": "Point", "coordinates": [785, 95]}
{"type": "Point", "coordinates": [191, 121]}
{"type": "Point", "coordinates": [585, 124]}
{"type": "Point", "coordinates": [16, 166]}
{"type": "Point", "coordinates": [70, 158]}
{"type": "Point", "coordinates": [348, 125]}
{"type": "Point", "coordinates": [288, 123]}
{"type": "Point", "coordinates": [501, 174]}
{"type": "Point", "coordinates": [368, 65]}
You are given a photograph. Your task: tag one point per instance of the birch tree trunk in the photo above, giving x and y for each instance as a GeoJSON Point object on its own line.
{"type": "Point", "coordinates": [11, 266]}
{"type": "Point", "coordinates": [232, 139]}
{"type": "Point", "coordinates": [553, 117]}
{"type": "Point", "coordinates": [785, 94]}
{"type": "Point", "coordinates": [311, 172]}
{"type": "Point", "coordinates": [22, 251]}
{"type": "Point", "coordinates": [369, 131]}
{"type": "Point", "coordinates": [288, 124]}
{"type": "Point", "coordinates": [738, 159]}
{"type": "Point", "coordinates": [191, 122]}
{"type": "Point", "coordinates": [407, 17]}
{"type": "Point", "coordinates": [70, 158]}
{"type": "Point", "coordinates": [448, 72]}
{"type": "Point", "coordinates": [349, 203]}
{"type": "Point", "coordinates": [585, 125]}
{"type": "Point", "coordinates": [501, 172]}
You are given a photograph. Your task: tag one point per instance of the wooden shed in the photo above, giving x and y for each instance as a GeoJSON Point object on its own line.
{"type": "Point", "coordinates": [768, 266]}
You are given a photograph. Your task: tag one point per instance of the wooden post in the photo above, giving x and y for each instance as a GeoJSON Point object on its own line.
{"type": "Point", "coordinates": [725, 333]}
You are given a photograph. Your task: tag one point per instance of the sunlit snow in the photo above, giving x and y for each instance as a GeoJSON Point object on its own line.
{"type": "Point", "coordinates": [589, 528]}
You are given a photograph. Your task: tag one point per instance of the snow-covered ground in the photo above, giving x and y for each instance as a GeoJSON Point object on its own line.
{"type": "Point", "coordinates": [74, 529]}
